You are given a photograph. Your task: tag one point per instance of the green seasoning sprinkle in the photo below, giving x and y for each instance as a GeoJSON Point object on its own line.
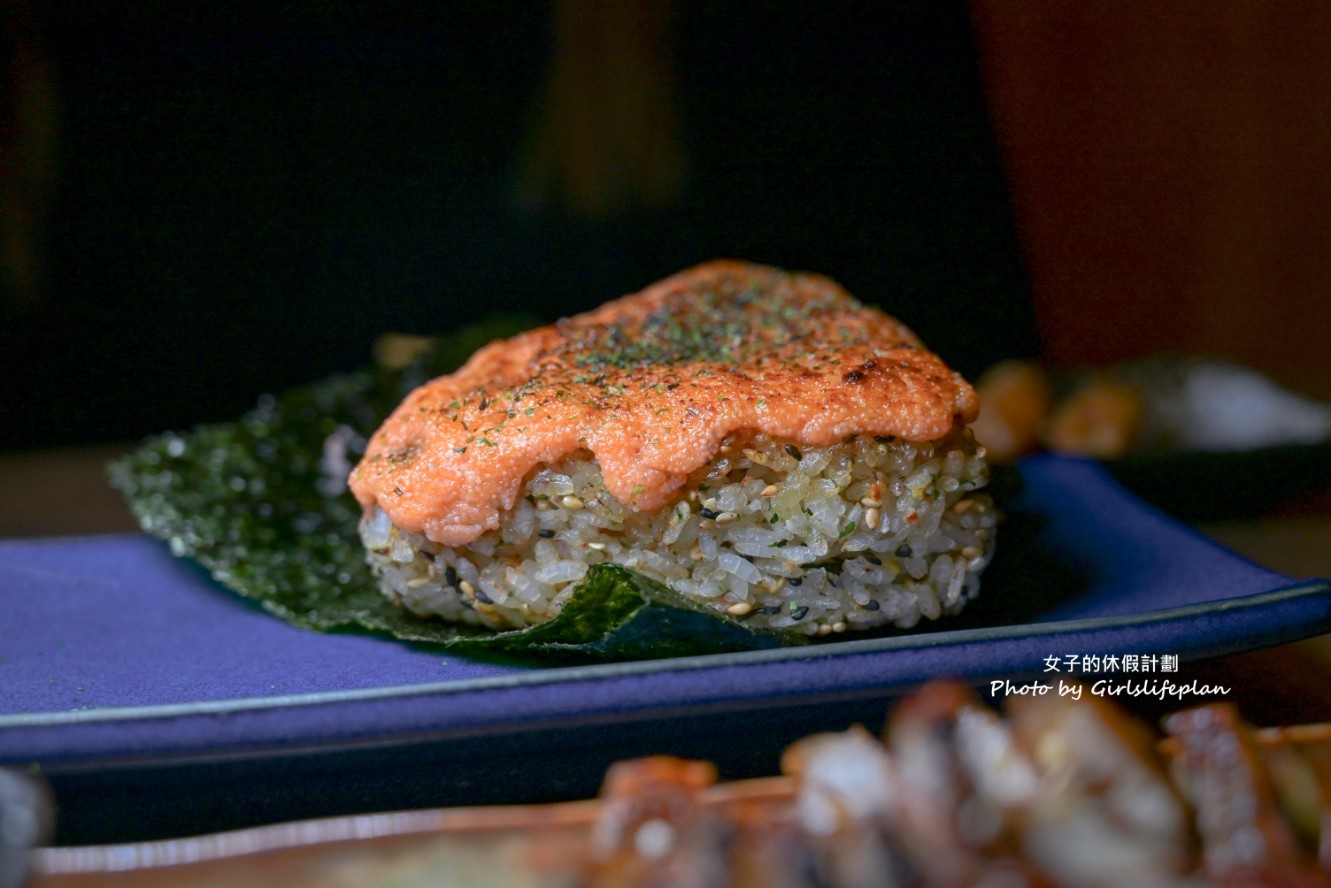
{"type": "Point", "coordinates": [403, 454]}
{"type": "Point", "coordinates": [723, 327]}
{"type": "Point", "coordinates": [847, 530]}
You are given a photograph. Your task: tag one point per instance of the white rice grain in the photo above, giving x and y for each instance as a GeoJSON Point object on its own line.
{"type": "Point", "coordinates": [790, 543]}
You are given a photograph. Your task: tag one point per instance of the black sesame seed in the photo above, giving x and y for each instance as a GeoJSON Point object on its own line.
{"type": "Point", "coordinates": [794, 451]}
{"type": "Point", "coordinates": [904, 551]}
{"type": "Point", "coordinates": [482, 597]}
{"type": "Point", "coordinates": [873, 559]}
{"type": "Point", "coordinates": [707, 513]}
{"type": "Point", "coordinates": [769, 610]}
{"type": "Point", "coordinates": [795, 581]}
{"type": "Point", "coordinates": [545, 533]}
{"type": "Point", "coordinates": [450, 576]}
{"type": "Point", "coordinates": [799, 613]}
{"type": "Point", "coordinates": [872, 605]}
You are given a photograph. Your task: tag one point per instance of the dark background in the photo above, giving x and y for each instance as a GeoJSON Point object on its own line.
{"type": "Point", "coordinates": [247, 194]}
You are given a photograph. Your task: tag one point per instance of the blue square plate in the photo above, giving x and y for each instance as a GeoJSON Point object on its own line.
{"type": "Point", "coordinates": [121, 664]}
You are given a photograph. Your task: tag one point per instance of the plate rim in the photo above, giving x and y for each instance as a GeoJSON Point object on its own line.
{"type": "Point", "coordinates": [1301, 608]}
{"type": "Point", "coordinates": [103, 758]}
{"type": "Point", "coordinates": [1296, 590]}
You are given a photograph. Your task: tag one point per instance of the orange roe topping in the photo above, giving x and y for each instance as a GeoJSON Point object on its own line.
{"type": "Point", "coordinates": [650, 384]}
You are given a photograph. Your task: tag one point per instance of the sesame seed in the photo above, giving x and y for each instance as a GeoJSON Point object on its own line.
{"type": "Point", "coordinates": [572, 503]}
{"type": "Point", "coordinates": [969, 552]}
{"type": "Point", "coordinates": [599, 547]}
{"type": "Point", "coordinates": [871, 518]}
{"type": "Point", "coordinates": [727, 518]}
{"type": "Point", "coordinates": [739, 609]}
{"type": "Point", "coordinates": [417, 582]}
{"type": "Point", "coordinates": [904, 551]}
{"type": "Point", "coordinates": [545, 533]}
{"type": "Point", "coordinates": [770, 490]}
{"type": "Point", "coordinates": [467, 588]}
{"type": "Point", "coordinates": [871, 502]}
{"type": "Point", "coordinates": [708, 513]}
{"type": "Point", "coordinates": [824, 629]}
{"type": "Point", "coordinates": [963, 506]}
{"type": "Point", "coordinates": [839, 626]}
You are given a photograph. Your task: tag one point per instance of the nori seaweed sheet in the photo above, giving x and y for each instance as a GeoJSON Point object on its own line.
{"type": "Point", "coordinates": [253, 503]}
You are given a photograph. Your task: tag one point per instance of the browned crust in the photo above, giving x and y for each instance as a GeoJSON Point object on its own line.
{"type": "Point", "coordinates": [650, 384]}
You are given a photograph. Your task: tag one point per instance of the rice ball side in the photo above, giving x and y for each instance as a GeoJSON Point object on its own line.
{"type": "Point", "coordinates": [872, 531]}
{"type": "Point", "coordinates": [758, 440]}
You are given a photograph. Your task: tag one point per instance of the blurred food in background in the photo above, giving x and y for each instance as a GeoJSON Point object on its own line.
{"type": "Point", "coordinates": [1162, 404]}
{"type": "Point", "coordinates": [1058, 788]}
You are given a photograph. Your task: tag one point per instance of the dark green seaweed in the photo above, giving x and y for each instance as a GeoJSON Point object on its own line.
{"type": "Point", "coordinates": [252, 502]}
